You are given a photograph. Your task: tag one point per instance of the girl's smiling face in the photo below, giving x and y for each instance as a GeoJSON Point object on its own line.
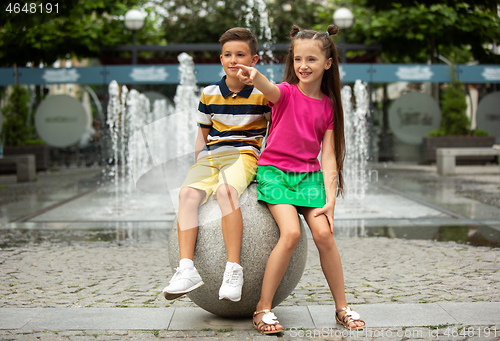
{"type": "Point", "coordinates": [309, 62]}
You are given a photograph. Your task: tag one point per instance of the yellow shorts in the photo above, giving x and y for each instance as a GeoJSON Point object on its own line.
{"type": "Point", "coordinates": [211, 171]}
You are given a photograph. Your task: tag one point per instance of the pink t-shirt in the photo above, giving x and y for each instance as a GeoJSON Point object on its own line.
{"type": "Point", "coordinates": [298, 125]}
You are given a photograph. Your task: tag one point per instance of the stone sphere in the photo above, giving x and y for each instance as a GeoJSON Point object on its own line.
{"type": "Point", "coordinates": [260, 235]}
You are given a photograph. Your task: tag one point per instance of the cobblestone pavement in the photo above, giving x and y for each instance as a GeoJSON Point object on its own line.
{"type": "Point", "coordinates": [77, 273]}
{"type": "Point", "coordinates": [377, 270]}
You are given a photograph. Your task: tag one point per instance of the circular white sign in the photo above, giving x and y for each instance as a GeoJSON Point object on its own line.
{"type": "Point", "coordinates": [413, 115]}
{"type": "Point", "coordinates": [60, 120]}
{"type": "Point", "coordinates": [488, 116]}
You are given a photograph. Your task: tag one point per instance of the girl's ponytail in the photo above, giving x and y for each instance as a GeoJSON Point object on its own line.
{"type": "Point", "coordinates": [295, 30]}
{"type": "Point", "coordinates": [332, 30]}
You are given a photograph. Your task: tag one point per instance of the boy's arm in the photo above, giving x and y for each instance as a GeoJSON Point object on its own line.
{"type": "Point", "coordinates": [252, 76]}
{"type": "Point", "coordinates": [201, 141]}
{"type": "Point", "coordinates": [329, 168]}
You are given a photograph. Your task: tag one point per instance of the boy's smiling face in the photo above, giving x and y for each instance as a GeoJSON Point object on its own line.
{"type": "Point", "coordinates": [236, 52]}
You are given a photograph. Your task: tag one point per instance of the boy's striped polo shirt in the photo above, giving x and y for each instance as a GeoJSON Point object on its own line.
{"type": "Point", "coordinates": [234, 120]}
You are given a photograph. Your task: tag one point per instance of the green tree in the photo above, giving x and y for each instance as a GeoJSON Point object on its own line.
{"type": "Point", "coordinates": [415, 32]}
{"type": "Point", "coordinates": [196, 21]}
{"type": "Point", "coordinates": [454, 120]}
{"type": "Point", "coordinates": [306, 14]}
{"type": "Point", "coordinates": [16, 130]}
{"type": "Point", "coordinates": [80, 30]}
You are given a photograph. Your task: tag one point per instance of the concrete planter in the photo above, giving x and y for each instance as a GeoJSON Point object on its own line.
{"type": "Point", "coordinates": [431, 143]}
{"type": "Point", "coordinates": [41, 153]}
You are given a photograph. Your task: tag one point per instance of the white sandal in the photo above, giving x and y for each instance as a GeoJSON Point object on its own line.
{"type": "Point", "coordinates": [350, 317]}
{"type": "Point", "coordinates": [268, 319]}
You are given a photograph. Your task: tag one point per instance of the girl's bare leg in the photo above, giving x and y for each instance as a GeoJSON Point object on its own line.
{"type": "Point", "coordinates": [288, 222]}
{"type": "Point", "coordinates": [329, 256]}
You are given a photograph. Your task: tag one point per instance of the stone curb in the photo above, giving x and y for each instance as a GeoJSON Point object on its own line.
{"type": "Point", "coordinates": [297, 317]}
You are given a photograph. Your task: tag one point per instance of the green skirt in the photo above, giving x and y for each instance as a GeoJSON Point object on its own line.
{"type": "Point", "coordinates": [299, 189]}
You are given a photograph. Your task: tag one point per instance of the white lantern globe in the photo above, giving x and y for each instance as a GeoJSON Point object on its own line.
{"type": "Point", "coordinates": [343, 18]}
{"type": "Point", "coordinates": [134, 20]}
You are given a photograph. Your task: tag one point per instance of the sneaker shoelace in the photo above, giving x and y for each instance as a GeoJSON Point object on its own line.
{"type": "Point", "coordinates": [231, 277]}
{"type": "Point", "coordinates": [178, 272]}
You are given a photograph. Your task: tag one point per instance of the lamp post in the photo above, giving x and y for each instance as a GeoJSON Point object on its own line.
{"type": "Point", "coordinates": [343, 19]}
{"type": "Point", "coordinates": [134, 21]}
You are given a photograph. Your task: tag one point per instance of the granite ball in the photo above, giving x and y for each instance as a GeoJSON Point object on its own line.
{"type": "Point", "coordinates": [260, 235]}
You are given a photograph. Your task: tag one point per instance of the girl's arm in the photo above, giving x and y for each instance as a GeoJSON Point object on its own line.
{"type": "Point", "coordinates": [201, 141]}
{"type": "Point", "coordinates": [329, 168]}
{"type": "Point", "coordinates": [252, 76]}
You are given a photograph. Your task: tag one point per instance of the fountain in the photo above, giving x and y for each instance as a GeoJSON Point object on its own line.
{"type": "Point", "coordinates": [139, 146]}
{"type": "Point", "coordinates": [257, 20]}
{"type": "Point", "coordinates": [356, 139]}
{"type": "Point", "coordinates": [355, 176]}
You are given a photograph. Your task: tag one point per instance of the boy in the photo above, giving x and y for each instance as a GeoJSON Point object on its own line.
{"type": "Point", "coordinates": [231, 127]}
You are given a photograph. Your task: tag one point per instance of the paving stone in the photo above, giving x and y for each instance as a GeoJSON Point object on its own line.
{"type": "Point", "coordinates": [473, 313]}
{"type": "Point", "coordinates": [200, 333]}
{"type": "Point", "coordinates": [109, 337]}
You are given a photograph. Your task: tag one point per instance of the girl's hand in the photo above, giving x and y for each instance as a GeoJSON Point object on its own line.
{"type": "Point", "coordinates": [327, 210]}
{"type": "Point", "coordinates": [246, 74]}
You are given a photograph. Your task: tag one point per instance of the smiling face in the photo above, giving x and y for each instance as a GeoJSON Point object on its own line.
{"type": "Point", "coordinates": [309, 62]}
{"type": "Point", "coordinates": [236, 52]}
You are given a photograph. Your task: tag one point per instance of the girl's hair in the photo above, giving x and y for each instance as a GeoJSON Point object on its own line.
{"type": "Point", "coordinates": [330, 86]}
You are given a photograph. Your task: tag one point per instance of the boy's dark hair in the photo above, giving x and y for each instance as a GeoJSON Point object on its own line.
{"type": "Point", "coordinates": [242, 34]}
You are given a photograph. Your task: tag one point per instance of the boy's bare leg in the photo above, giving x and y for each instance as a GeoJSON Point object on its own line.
{"type": "Point", "coordinates": [186, 277]}
{"type": "Point", "coordinates": [232, 221]}
{"type": "Point", "coordinates": [187, 220]}
{"type": "Point", "coordinates": [232, 231]}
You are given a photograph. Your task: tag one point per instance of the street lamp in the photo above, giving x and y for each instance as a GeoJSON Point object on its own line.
{"type": "Point", "coordinates": [134, 21]}
{"type": "Point", "coordinates": [343, 19]}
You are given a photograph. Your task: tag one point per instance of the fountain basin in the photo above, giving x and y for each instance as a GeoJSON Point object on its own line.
{"type": "Point", "coordinates": [260, 235]}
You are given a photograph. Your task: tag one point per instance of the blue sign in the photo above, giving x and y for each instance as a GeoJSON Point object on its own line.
{"type": "Point", "coordinates": [209, 73]}
{"type": "Point", "coordinates": [351, 72]}
{"type": "Point", "coordinates": [416, 73]}
{"type": "Point", "coordinates": [479, 73]}
{"type": "Point", "coordinates": [87, 75]}
{"type": "Point", "coordinates": [154, 74]}
{"type": "Point", "coordinates": [7, 77]}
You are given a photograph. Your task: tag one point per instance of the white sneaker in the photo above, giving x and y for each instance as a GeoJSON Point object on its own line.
{"type": "Point", "coordinates": [232, 283]}
{"type": "Point", "coordinates": [182, 282]}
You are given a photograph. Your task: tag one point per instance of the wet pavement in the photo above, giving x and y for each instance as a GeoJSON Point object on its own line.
{"type": "Point", "coordinates": [420, 255]}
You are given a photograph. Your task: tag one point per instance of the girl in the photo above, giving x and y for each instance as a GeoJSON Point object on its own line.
{"type": "Point", "coordinates": [307, 117]}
